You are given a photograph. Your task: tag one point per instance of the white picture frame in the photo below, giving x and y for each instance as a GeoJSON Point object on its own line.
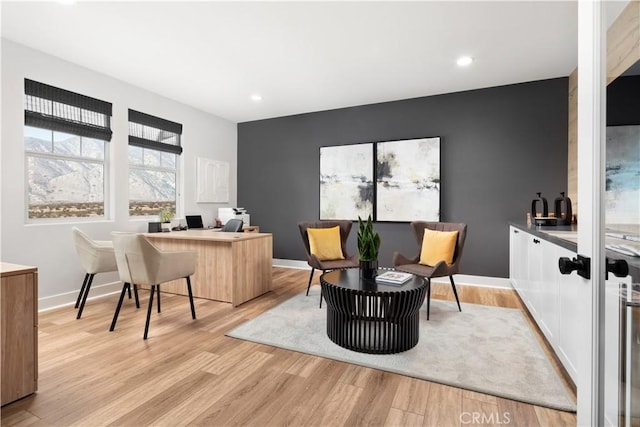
{"type": "Point", "coordinates": [212, 181]}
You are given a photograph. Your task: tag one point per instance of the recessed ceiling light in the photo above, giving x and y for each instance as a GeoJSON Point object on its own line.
{"type": "Point", "coordinates": [256, 97]}
{"type": "Point", "coordinates": [463, 61]}
{"type": "Point", "coordinates": [67, 2]}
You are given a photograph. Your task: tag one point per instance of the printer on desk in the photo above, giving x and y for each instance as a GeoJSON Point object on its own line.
{"type": "Point", "coordinates": [225, 214]}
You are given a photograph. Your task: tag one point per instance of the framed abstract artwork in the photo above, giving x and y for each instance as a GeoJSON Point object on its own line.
{"type": "Point", "coordinates": [346, 181]}
{"type": "Point", "coordinates": [395, 181]}
{"type": "Point", "coordinates": [408, 180]}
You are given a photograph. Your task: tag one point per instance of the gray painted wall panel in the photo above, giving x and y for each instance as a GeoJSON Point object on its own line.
{"type": "Point", "coordinates": [499, 146]}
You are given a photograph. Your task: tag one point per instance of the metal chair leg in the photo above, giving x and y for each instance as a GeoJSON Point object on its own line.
{"type": "Point", "coordinates": [135, 293]}
{"type": "Point", "coordinates": [84, 297]}
{"type": "Point", "coordinates": [158, 289]}
{"type": "Point", "coordinates": [146, 325]}
{"type": "Point", "coordinates": [193, 308]}
{"type": "Point", "coordinates": [428, 297]}
{"type": "Point", "coordinates": [129, 292]}
{"type": "Point", "coordinates": [115, 315]}
{"type": "Point", "coordinates": [84, 285]}
{"type": "Point", "coordinates": [310, 279]}
{"type": "Point", "coordinates": [455, 292]}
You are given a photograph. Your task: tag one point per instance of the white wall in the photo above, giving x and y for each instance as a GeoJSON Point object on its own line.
{"type": "Point", "coordinates": [49, 246]}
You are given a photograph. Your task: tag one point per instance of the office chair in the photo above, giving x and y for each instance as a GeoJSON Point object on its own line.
{"type": "Point", "coordinates": [233, 225]}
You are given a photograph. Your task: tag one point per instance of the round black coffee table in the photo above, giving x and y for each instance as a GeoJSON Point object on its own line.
{"type": "Point", "coordinates": [371, 317]}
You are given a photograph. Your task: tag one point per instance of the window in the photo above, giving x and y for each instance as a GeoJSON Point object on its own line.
{"type": "Point", "coordinates": [154, 147]}
{"type": "Point", "coordinates": [65, 142]}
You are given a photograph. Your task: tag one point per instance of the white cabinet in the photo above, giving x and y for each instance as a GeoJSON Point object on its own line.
{"type": "Point", "coordinates": [550, 297]}
{"type": "Point", "coordinates": [547, 289]}
{"type": "Point", "coordinates": [518, 256]}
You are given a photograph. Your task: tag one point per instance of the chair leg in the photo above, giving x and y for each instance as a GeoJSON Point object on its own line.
{"type": "Point", "coordinates": [135, 293]}
{"type": "Point", "coordinates": [115, 315]}
{"type": "Point", "coordinates": [310, 279]}
{"type": "Point", "coordinates": [321, 293]}
{"type": "Point", "coordinates": [455, 292]}
{"type": "Point", "coordinates": [193, 308]}
{"type": "Point", "coordinates": [84, 285]}
{"type": "Point", "coordinates": [428, 297]}
{"type": "Point", "coordinates": [149, 310]}
{"type": "Point", "coordinates": [84, 297]}
{"type": "Point", "coordinates": [158, 290]}
{"type": "Point", "coordinates": [129, 292]}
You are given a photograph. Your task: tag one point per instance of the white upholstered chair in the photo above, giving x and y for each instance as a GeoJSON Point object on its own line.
{"type": "Point", "coordinates": [141, 263]}
{"type": "Point", "coordinates": [96, 256]}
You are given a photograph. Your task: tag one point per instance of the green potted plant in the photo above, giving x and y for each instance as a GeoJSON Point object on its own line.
{"type": "Point", "coordinates": [368, 247]}
{"type": "Point", "coordinates": [165, 217]}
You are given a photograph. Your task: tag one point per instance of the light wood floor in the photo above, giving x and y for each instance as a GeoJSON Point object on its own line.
{"type": "Point", "coordinates": [189, 373]}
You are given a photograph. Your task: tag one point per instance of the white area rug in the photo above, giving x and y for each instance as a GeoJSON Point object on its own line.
{"type": "Point", "coordinates": [487, 349]}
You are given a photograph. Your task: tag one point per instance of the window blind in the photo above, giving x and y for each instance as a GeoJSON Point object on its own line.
{"type": "Point", "coordinates": [152, 132]}
{"type": "Point", "coordinates": [60, 110]}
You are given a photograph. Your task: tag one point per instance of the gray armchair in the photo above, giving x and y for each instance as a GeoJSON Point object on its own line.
{"type": "Point", "coordinates": [441, 269]}
{"type": "Point", "coordinates": [349, 261]}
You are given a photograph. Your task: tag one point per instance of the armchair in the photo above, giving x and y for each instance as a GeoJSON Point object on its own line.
{"type": "Point", "coordinates": [141, 263]}
{"type": "Point", "coordinates": [441, 268]}
{"type": "Point", "coordinates": [314, 262]}
{"type": "Point", "coordinates": [96, 256]}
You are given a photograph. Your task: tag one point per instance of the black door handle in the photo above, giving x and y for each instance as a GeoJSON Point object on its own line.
{"type": "Point", "coordinates": [618, 267]}
{"type": "Point", "coordinates": [580, 264]}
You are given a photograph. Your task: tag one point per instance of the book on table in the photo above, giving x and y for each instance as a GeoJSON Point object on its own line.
{"type": "Point", "coordinates": [394, 277]}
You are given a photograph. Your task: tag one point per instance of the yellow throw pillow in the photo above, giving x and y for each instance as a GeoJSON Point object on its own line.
{"type": "Point", "coordinates": [438, 246]}
{"type": "Point", "coordinates": [324, 243]}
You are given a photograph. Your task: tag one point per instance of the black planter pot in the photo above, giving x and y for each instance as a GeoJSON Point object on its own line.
{"type": "Point", "coordinates": [368, 269]}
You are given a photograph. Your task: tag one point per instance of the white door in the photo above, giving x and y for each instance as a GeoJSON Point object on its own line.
{"type": "Point", "coordinates": [597, 309]}
{"type": "Point", "coordinates": [591, 98]}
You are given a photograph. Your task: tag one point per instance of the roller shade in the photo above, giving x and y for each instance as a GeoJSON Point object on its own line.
{"type": "Point", "coordinates": [49, 107]}
{"type": "Point", "coordinates": [153, 132]}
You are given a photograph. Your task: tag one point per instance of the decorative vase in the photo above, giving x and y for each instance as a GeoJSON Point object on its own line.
{"type": "Point", "coordinates": [166, 226]}
{"type": "Point", "coordinates": [368, 269]}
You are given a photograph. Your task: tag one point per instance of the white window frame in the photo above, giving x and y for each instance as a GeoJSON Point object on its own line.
{"type": "Point", "coordinates": [133, 166]}
{"type": "Point", "coordinates": [55, 156]}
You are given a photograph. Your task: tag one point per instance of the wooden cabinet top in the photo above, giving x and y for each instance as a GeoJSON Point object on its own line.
{"type": "Point", "coordinates": [210, 235]}
{"type": "Point", "coordinates": [8, 269]}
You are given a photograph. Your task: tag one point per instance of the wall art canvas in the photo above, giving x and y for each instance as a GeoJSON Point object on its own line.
{"type": "Point", "coordinates": [408, 180]}
{"type": "Point", "coordinates": [346, 181]}
{"type": "Point", "coordinates": [623, 175]}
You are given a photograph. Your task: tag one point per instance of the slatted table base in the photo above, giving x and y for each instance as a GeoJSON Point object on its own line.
{"type": "Point", "coordinates": [379, 322]}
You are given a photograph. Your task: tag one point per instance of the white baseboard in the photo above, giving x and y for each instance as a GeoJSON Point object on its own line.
{"type": "Point", "coordinates": [69, 298]}
{"type": "Point", "coordinates": [460, 279]}
{"type": "Point", "coordinates": [291, 263]}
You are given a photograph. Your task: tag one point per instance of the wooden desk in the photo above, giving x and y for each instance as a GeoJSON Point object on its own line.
{"type": "Point", "coordinates": [19, 302]}
{"type": "Point", "coordinates": [231, 267]}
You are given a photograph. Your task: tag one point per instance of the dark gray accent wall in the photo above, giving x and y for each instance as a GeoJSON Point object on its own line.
{"type": "Point", "coordinates": [499, 146]}
{"type": "Point", "coordinates": [623, 101]}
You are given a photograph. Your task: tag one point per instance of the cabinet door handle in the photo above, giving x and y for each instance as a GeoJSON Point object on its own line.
{"type": "Point", "coordinates": [536, 241]}
{"type": "Point", "coordinates": [516, 231]}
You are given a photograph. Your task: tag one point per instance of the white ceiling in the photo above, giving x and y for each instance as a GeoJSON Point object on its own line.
{"type": "Point", "coordinates": [302, 56]}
